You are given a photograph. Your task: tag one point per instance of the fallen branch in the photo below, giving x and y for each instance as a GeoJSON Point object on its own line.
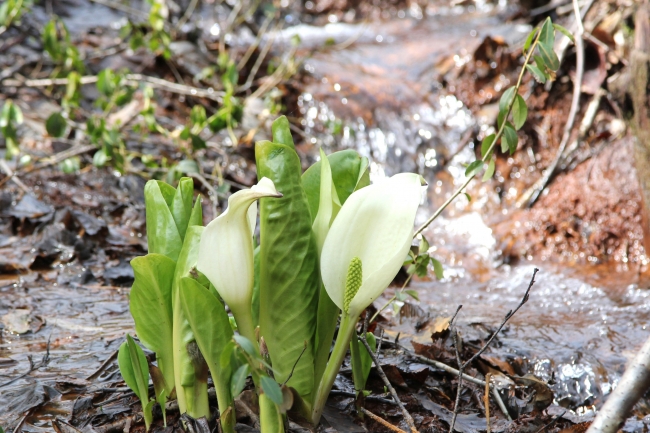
{"type": "Point", "coordinates": [630, 389]}
{"type": "Point", "coordinates": [407, 416]}
{"type": "Point", "coordinates": [381, 421]}
{"type": "Point", "coordinates": [11, 176]}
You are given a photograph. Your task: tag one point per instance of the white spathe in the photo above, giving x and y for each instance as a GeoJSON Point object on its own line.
{"type": "Point", "coordinates": [376, 225]}
{"type": "Point", "coordinates": [226, 248]}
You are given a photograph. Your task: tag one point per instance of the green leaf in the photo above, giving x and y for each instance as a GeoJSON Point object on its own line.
{"type": "Point", "coordinates": [198, 116]}
{"type": "Point", "coordinates": [519, 112]}
{"type": "Point", "coordinates": [349, 173]}
{"type": "Point", "coordinates": [211, 328]}
{"type": "Point", "coordinates": [163, 236]}
{"type": "Point", "coordinates": [547, 35]}
{"type": "Point", "coordinates": [271, 389]}
{"type": "Point", "coordinates": [539, 75]}
{"type": "Point", "coordinates": [490, 170]}
{"type": "Point", "coordinates": [197, 142]}
{"type": "Point", "coordinates": [150, 303]}
{"type": "Point", "coordinates": [55, 125]}
{"type": "Point", "coordinates": [135, 371]}
{"type": "Point", "coordinates": [106, 83]}
{"type": "Point", "coordinates": [486, 144]}
{"type": "Point", "coordinates": [282, 132]}
{"type": "Point", "coordinates": [437, 268]}
{"type": "Point", "coordinates": [413, 294]}
{"type": "Point", "coordinates": [289, 278]}
{"type": "Point", "coordinates": [564, 31]}
{"type": "Point", "coordinates": [247, 346]}
{"type": "Point", "coordinates": [510, 139]}
{"type": "Point", "coordinates": [548, 56]}
{"type": "Point", "coordinates": [239, 379]}
{"type": "Point", "coordinates": [473, 168]}
{"type": "Point", "coordinates": [469, 197]}
{"type": "Point", "coordinates": [506, 99]}
{"type": "Point", "coordinates": [529, 40]}
{"type": "Point", "coordinates": [70, 165]}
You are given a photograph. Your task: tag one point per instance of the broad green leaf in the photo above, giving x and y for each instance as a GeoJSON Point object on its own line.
{"type": "Point", "coordinates": [55, 125]}
{"type": "Point", "coordinates": [413, 294]}
{"type": "Point", "coordinates": [547, 36]}
{"type": "Point", "coordinates": [490, 170]}
{"type": "Point", "coordinates": [539, 75]}
{"type": "Point", "coordinates": [539, 62]}
{"type": "Point", "coordinates": [190, 371]}
{"type": "Point", "coordinates": [247, 346]}
{"type": "Point", "coordinates": [135, 371]}
{"type": "Point", "coordinates": [270, 416]}
{"type": "Point", "coordinates": [329, 203]}
{"type": "Point", "coordinates": [271, 389]}
{"type": "Point", "coordinates": [211, 328]}
{"type": "Point", "coordinates": [282, 132]}
{"type": "Point", "coordinates": [289, 278]}
{"type": "Point", "coordinates": [150, 302]}
{"type": "Point", "coordinates": [162, 234]}
{"type": "Point", "coordinates": [506, 98]}
{"type": "Point", "coordinates": [548, 56]}
{"type": "Point", "coordinates": [510, 139]}
{"type": "Point", "coordinates": [519, 112]}
{"type": "Point", "coordinates": [349, 173]}
{"type": "Point", "coordinates": [486, 144]}
{"type": "Point", "coordinates": [564, 31]}
{"type": "Point", "coordinates": [473, 168]}
{"type": "Point", "coordinates": [181, 207]}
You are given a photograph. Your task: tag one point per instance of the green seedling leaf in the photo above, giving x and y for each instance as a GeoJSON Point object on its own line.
{"type": "Point", "coordinates": [490, 170]}
{"type": "Point", "coordinates": [160, 387]}
{"type": "Point", "coordinates": [70, 165]}
{"type": "Point", "coordinates": [506, 99]}
{"type": "Point", "coordinates": [101, 157]}
{"type": "Point", "coordinates": [247, 346]}
{"type": "Point", "coordinates": [519, 112]}
{"type": "Point", "coordinates": [486, 144]}
{"type": "Point", "coordinates": [55, 125]}
{"type": "Point", "coordinates": [537, 74]}
{"type": "Point", "coordinates": [289, 278]}
{"type": "Point", "coordinates": [564, 31]}
{"type": "Point", "coordinates": [547, 36]}
{"type": "Point", "coordinates": [239, 379]}
{"type": "Point", "coordinates": [271, 390]}
{"type": "Point", "coordinates": [197, 142]}
{"type": "Point", "coordinates": [412, 293]}
{"type": "Point", "coordinates": [509, 139]}
{"type": "Point", "coordinates": [501, 117]}
{"type": "Point", "coordinates": [437, 268]}
{"type": "Point", "coordinates": [473, 168]}
{"type": "Point", "coordinates": [198, 116]}
{"type": "Point", "coordinates": [134, 368]}
{"type": "Point", "coordinates": [529, 39]}
{"type": "Point", "coordinates": [548, 56]}
{"type": "Point", "coordinates": [163, 236]}
{"type": "Point", "coordinates": [469, 197]}
{"type": "Point", "coordinates": [151, 307]}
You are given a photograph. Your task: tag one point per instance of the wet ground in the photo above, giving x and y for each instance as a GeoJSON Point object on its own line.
{"type": "Point", "coordinates": [413, 92]}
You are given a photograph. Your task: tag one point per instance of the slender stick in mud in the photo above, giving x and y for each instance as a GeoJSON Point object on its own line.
{"type": "Point", "coordinates": [407, 416]}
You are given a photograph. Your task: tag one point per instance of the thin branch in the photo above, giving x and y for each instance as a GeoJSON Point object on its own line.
{"type": "Point", "coordinates": [382, 421]}
{"type": "Point", "coordinates": [11, 176]}
{"type": "Point", "coordinates": [407, 416]}
{"type": "Point", "coordinates": [459, 388]}
{"type": "Point", "coordinates": [505, 320]}
{"type": "Point", "coordinates": [296, 363]}
{"type": "Point", "coordinates": [32, 366]}
{"type": "Point", "coordinates": [486, 402]}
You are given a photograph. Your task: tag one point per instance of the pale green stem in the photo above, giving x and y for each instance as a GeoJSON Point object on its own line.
{"type": "Point", "coordinates": [346, 331]}
{"type": "Point", "coordinates": [357, 368]}
{"type": "Point", "coordinates": [226, 405]}
{"type": "Point", "coordinates": [270, 418]}
{"type": "Point", "coordinates": [244, 318]}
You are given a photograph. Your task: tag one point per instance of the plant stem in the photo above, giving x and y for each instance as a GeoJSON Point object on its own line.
{"type": "Point", "coordinates": [226, 405]}
{"type": "Point", "coordinates": [488, 154]}
{"type": "Point", "coordinates": [346, 331]}
{"type": "Point", "coordinates": [244, 318]}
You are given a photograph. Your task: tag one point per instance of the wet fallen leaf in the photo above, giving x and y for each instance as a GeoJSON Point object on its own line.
{"type": "Point", "coordinates": [17, 321]}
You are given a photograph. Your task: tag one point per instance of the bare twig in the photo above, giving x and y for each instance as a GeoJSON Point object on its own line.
{"type": "Point", "coordinates": [132, 79]}
{"type": "Point", "coordinates": [461, 366]}
{"type": "Point", "coordinates": [486, 402]}
{"type": "Point", "coordinates": [550, 424]}
{"type": "Point", "coordinates": [32, 366]}
{"type": "Point", "coordinates": [296, 363]}
{"type": "Point", "coordinates": [11, 176]}
{"type": "Point", "coordinates": [505, 320]}
{"type": "Point", "coordinates": [407, 416]}
{"type": "Point", "coordinates": [381, 421]}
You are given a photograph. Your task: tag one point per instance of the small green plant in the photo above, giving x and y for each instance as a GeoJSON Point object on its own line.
{"type": "Point", "coordinates": [10, 118]}
{"type": "Point", "coordinates": [330, 243]}
{"type": "Point", "coordinates": [135, 371]}
{"type": "Point", "coordinates": [56, 41]}
{"type": "Point", "coordinates": [11, 11]}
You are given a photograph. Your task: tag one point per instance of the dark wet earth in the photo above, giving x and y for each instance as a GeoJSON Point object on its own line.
{"type": "Point", "coordinates": [395, 91]}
